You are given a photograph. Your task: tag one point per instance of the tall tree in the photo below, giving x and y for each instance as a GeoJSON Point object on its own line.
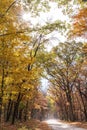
{"type": "Point", "coordinates": [64, 70]}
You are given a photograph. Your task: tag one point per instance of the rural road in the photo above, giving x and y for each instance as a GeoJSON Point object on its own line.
{"type": "Point", "coordinates": [58, 125]}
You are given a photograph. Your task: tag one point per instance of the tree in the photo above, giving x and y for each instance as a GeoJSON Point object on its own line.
{"type": "Point", "coordinates": [18, 78]}
{"type": "Point", "coordinates": [63, 70]}
{"type": "Point", "coordinates": [80, 30]}
{"type": "Point", "coordinates": [80, 26]}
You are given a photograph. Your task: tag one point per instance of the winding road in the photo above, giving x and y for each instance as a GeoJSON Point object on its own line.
{"type": "Point", "coordinates": [58, 125]}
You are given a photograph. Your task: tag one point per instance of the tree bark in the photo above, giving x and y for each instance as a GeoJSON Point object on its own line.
{"type": "Point", "coordinates": [9, 110]}
{"type": "Point", "coordinates": [16, 105]}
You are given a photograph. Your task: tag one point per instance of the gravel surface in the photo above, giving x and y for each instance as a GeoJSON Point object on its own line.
{"type": "Point", "coordinates": [58, 125]}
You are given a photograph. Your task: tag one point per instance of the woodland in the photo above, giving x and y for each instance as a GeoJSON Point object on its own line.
{"type": "Point", "coordinates": [25, 60]}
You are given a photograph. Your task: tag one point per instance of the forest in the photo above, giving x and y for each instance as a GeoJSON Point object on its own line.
{"type": "Point", "coordinates": [35, 47]}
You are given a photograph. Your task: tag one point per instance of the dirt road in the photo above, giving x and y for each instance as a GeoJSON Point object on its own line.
{"type": "Point", "coordinates": [58, 125]}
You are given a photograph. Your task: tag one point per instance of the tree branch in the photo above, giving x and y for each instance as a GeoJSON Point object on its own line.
{"type": "Point", "coordinates": [8, 8]}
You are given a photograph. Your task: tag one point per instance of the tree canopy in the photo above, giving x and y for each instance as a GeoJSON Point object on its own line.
{"type": "Point", "coordinates": [25, 60]}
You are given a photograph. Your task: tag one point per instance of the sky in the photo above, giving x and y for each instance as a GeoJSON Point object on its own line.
{"type": "Point", "coordinates": [54, 14]}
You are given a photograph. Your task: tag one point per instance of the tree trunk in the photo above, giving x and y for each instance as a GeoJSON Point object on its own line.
{"type": "Point", "coordinates": [71, 115]}
{"type": "Point", "coordinates": [85, 110]}
{"type": "Point", "coordinates": [16, 105]}
{"type": "Point", "coordinates": [26, 111]}
{"type": "Point", "coordinates": [20, 114]}
{"type": "Point", "coordinates": [1, 94]}
{"type": "Point", "coordinates": [0, 108]}
{"type": "Point", "coordinates": [84, 105]}
{"type": "Point", "coordinates": [9, 110]}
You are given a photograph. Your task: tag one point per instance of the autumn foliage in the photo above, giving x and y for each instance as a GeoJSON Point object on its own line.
{"type": "Point", "coordinates": [80, 23]}
{"type": "Point", "coordinates": [24, 60]}
{"type": "Point", "coordinates": [19, 75]}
